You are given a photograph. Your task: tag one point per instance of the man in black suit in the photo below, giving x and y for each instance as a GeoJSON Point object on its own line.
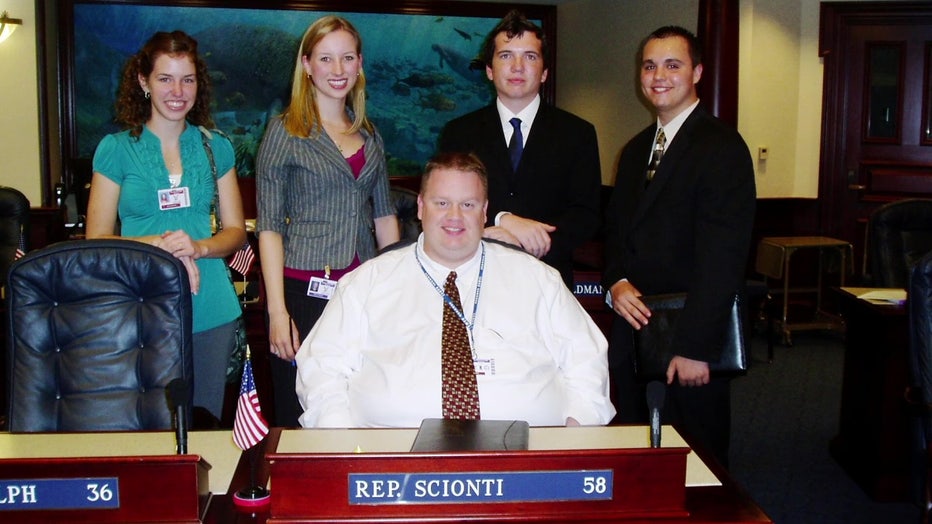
{"type": "Point", "coordinates": [685, 229]}
{"type": "Point", "coordinates": [549, 204]}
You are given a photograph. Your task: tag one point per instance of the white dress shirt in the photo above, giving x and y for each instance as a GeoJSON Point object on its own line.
{"type": "Point", "coordinates": [527, 116]}
{"type": "Point", "coordinates": [373, 358]}
{"type": "Point", "coordinates": [673, 126]}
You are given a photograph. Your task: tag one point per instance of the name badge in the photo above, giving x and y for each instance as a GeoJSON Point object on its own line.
{"type": "Point", "coordinates": [484, 366]}
{"type": "Point", "coordinates": [321, 288]}
{"type": "Point", "coordinates": [174, 198]}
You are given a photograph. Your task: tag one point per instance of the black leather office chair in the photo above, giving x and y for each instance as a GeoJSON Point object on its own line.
{"type": "Point", "coordinates": [405, 201]}
{"type": "Point", "coordinates": [919, 391]}
{"type": "Point", "coordinates": [97, 329]}
{"type": "Point", "coordinates": [14, 226]}
{"type": "Point", "coordinates": [899, 234]}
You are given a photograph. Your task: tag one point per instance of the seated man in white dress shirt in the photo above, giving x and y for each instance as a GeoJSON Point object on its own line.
{"type": "Point", "coordinates": [374, 357]}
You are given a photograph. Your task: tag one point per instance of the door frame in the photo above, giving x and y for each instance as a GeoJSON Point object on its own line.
{"type": "Point", "coordinates": [835, 19]}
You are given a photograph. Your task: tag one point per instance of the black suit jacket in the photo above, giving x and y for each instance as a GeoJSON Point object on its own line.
{"type": "Point", "coordinates": [558, 181]}
{"type": "Point", "coordinates": [689, 230]}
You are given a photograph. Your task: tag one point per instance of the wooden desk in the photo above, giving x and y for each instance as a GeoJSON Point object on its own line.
{"type": "Point", "coordinates": [151, 481]}
{"type": "Point", "coordinates": [710, 496]}
{"type": "Point", "coordinates": [773, 261]}
{"type": "Point", "coordinates": [216, 447]}
{"type": "Point", "coordinates": [872, 441]}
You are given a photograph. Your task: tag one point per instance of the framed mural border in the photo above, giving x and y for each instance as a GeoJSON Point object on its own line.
{"type": "Point", "coordinates": [75, 165]}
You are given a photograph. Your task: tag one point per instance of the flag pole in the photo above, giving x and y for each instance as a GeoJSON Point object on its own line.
{"type": "Point", "coordinates": [252, 496]}
{"type": "Point", "coordinates": [249, 430]}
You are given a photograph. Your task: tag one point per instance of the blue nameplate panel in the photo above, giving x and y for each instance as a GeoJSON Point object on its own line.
{"type": "Point", "coordinates": [81, 493]}
{"type": "Point", "coordinates": [588, 289]}
{"type": "Point", "coordinates": [479, 487]}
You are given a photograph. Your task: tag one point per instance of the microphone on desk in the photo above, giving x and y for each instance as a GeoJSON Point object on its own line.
{"type": "Point", "coordinates": [656, 391]}
{"type": "Point", "coordinates": [178, 394]}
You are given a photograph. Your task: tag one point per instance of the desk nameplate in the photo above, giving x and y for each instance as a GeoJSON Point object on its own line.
{"type": "Point", "coordinates": [62, 493]}
{"type": "Point", "coordinates": [314, 487]}
{"type": "Point", "coordinates": [140, 485]}
{"type": "Point", "coordinates": [479, 487]}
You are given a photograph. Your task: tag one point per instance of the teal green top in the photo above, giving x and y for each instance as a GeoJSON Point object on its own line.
{"type": "Point", "coordinates": [136, 165]}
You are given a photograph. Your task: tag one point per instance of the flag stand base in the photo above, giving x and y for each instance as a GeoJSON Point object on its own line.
{"type": "Point", "coordinates": [251, 497]}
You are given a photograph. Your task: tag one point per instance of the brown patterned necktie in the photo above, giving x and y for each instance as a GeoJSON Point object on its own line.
{"type": "Point", "coordinates": [458, 374]}
{"type": "Point", "coordinates": [657, 156]}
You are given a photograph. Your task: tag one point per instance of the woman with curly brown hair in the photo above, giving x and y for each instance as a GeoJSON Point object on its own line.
{"type": "Point", "coordinates": [158, 182]}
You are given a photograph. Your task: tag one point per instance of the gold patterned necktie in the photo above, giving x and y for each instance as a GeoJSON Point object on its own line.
{"type": "Point", "coordinates": [657, 155]}
{"type": "Point", "coordinates": [458, 374]}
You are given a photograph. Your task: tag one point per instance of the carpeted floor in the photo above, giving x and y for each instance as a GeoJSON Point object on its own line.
{"type": "Point", "coordinates": [784, 414]}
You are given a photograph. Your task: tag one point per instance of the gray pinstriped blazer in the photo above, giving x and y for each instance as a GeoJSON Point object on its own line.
{"type": "Point", "coordinates": [306, 192]}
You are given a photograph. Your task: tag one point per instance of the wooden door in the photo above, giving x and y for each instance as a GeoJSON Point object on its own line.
{"type": "Point", "coordinates": [877, 126]}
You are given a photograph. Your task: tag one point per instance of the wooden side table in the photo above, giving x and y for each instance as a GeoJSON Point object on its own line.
{"type": "Point", "coordinates": [773, 261]}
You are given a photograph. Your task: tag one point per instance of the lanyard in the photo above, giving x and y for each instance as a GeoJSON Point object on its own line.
{"type": "Point", "coordinates": [446, 298]}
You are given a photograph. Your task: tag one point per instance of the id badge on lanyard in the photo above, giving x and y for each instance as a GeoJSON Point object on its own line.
{"type": "Point", "coordinates": [174, 198]}
{"type": "Point", "coordinates": [322, 287]}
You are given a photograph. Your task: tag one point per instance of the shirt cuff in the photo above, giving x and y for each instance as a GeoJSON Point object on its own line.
{"type": "Point", "coordinates": [608, 294]}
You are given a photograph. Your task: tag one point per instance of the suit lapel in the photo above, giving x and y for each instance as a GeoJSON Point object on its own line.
{"type": "Point", "coordinates": [539, 138]}
{"type": "Point", "coordinates": [492, 138]}
{"type": "Point", "coordinates": [645, 196]}
{"type": "Point", "coordinates": [668, 168]}
{"type": "Point", "coordinates": [322, 147]}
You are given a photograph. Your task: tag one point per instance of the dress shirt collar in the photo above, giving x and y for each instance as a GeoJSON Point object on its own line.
{"type": "Point", "coordinates": [673, 126]}
{"type": "Point", "coordinates": [466, 273]}
{"type": "Point", "coordinates": [526, 115]}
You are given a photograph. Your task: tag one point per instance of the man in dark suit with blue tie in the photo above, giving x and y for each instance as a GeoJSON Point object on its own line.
{"type": "Point", "coordinates": [544, 173]}
{"type": "Point", "coordinates": [679, 220]}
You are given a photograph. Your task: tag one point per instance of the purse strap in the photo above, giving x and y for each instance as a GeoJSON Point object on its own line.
{"type": "Point", "coordinates": [215, 204]}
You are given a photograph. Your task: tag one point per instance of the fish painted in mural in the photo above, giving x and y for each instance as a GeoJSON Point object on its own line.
{"type": "Point", "coordinates": [423, 79]}
{"type": "Point", "coordinates": [459, 63]}
{"type": "Point", "coordinates": [437, 102]}
{"type": "Point", "coordinates": [401, 89]}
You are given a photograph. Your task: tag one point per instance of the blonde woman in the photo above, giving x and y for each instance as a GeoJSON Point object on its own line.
{"type": "Point", "coordinates": [322, 195]}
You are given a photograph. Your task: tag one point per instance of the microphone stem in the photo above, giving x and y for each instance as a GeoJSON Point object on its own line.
{"type": "Point", "coordinates": [655, 428]}
{"type": "Point", "coordinates": [181, 429]}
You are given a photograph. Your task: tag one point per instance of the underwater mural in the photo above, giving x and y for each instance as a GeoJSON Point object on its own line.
{"type": "Point", "coordinates": [417, 70]}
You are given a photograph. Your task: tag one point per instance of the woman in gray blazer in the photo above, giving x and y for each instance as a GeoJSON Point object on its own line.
{"type": "Point", "coordinates": [323, 195]}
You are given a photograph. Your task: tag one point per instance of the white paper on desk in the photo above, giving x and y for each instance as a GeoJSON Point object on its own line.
{"type": "Point", "coordinates": [884, 296]}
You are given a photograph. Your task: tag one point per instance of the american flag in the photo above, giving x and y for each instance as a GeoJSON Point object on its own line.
{"type": "Point", "coordinates": [243, 259]}
{"type": "Point", "coordinates": [21, 248]}
{"type": "Point", "coordinates": [249, 427]}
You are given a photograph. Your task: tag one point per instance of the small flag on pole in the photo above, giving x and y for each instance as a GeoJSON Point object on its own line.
{"type": "Point", "coordinates": [250, 426]}
{"type": "Point", "coordinates": [243, 259]}
{"type": "Point", "coordinates": [21, 247]}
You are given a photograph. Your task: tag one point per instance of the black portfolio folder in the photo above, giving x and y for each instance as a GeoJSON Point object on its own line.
{"type": "Point", "coordinates": [438, 434]}
{"type": "Point", "coordinates": [653, 343]}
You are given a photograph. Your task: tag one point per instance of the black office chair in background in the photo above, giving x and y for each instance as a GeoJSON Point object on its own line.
{"type": "Point", "coordinates": [919, 390]}
{"type": "Point", "coordinates": [14, 227]}
{"type": "Point", "coordinates": [405, 201]}
{"type": "Point", "coordinates": [97, 329]}
{"type": "Point", "coordinates": [899, 234]}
